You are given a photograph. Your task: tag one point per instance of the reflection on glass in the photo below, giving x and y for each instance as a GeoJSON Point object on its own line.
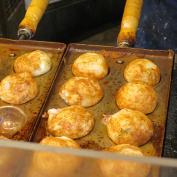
{"type": "Point", "coordinates": [111, 168]}
{"type": "Point", "coordinates": [46, 164]}
{"type": "Point", "coordinates": [10, 161]}
{"type": "Point", "coordinates": [34, 160]}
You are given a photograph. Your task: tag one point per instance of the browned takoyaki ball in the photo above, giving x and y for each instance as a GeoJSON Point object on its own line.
{"type": "Point", "coordinates": [55, 164]}
{"type": "Point", "coordinates": [81, 91]}
{"type": "Point", "coordinates": [129, 127]}
{"type": "Point", "coordinates": [136, 96]}
{"type": "Point", "coordinates": [142, 71]}
{"type": "Point", "coordinates": [121, 168]}
{"type": "Point", "coordinates": [18, 88]}
{"type": "Point", "coordinates": [61, 141]}
{"type": "Point", "coordinates": [37, 63]}
{"type": "Point", "coordinates": [72, 121]}
{"type": "Point", "coordinates": [92, 65]}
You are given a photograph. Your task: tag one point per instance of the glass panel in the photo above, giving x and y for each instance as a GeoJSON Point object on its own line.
{"type": "Point", "coordinates": [33, 160]}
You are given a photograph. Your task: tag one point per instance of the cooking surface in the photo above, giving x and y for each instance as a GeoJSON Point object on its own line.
{"type": "Point", "coordinates": [9, 50]}
{"type": "Point", "coordinates": [98, 138]}
{"type": "Point", "coordinates": [108, 37]}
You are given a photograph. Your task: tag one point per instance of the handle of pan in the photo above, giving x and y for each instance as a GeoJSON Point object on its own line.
{"type": "Point", "coordinates": [130, 21]}
{"type": "Point", "coordinates": [34, 13]}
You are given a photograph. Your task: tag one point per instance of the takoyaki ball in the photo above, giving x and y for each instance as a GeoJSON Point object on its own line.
{"type": "Point", "coordinates": [129, 127]}
{"type": "Point", "coordinates": [3, 137]}
{"type": "Point", "coordinates": [72, 121]}
{"type": "Point", "coordinates": [90, 65]}
{"type": "Point", "coordinates": [55, 164]}
{"type": "Point", "coordinates": [61, 141]}
{"type": "Point", "coordinates": [37, 63]}
{"type": "Point", "coordinates": [18, 88]}
{"type": "Point", "coordinates": [121, 168]}
{"type": "Point", "coordinates": [142, 71]}
{"type": "Point", "coordinates": [136, 96]}
{"type": "Point", "coordinates": [81, 91]}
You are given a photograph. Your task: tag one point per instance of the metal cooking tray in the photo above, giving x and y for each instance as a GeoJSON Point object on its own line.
{"type": "Point", "coordinates": [9, 50]}
{"type": "Point", "coordinates": [98, 138]}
